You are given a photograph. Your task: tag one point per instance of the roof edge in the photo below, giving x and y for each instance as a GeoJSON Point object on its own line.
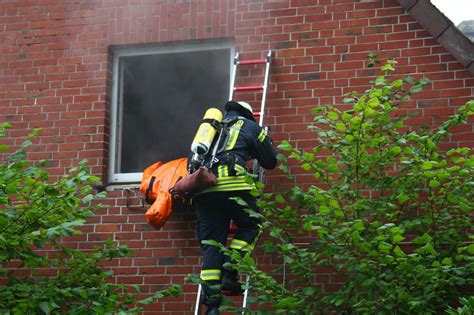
{"type": "Point", "coordinates": [443, 30]}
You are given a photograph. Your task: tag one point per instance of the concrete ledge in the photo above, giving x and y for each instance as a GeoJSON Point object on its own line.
{"type": "Point", "coordinates": [407, 4]}
{"type": "Point", "coordinates": [460, 46]}
{"type": "Point", "coordinates": [429, 17]}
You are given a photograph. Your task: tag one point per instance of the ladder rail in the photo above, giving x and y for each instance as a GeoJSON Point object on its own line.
{"type": "Point", "coordinates": [265, 87]}
{"type": "Point", "coordinates": [232, 78]}
{"type": "Point", "coordinates": [246, 294]}
{"type": "Point", "coordinates": [197, 308]}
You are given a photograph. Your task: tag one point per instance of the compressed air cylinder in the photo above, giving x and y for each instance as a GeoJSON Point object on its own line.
{"type": "Point", "coordinates": [206, 132]}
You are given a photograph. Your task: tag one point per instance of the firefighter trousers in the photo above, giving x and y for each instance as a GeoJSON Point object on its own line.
{"type": "Point", "coordinates": [214, 211]}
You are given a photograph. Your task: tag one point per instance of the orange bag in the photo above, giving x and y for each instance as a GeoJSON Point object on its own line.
{"type": "Point", "coordinates": [156, 181]}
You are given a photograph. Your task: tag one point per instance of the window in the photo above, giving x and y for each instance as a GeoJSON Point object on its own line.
{"type": "Point", "coordinates": [159, 96]}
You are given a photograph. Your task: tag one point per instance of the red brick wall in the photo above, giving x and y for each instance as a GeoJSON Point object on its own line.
{"type": "Point", "coordinates": [53, 74]}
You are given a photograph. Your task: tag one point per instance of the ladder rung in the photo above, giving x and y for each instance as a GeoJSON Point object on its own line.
{"type": "Point", "coordinates": [252, 62]}
{"type": "Point", "coordinates": [233, 229]}
{"type": "Point", "coordinates": [248, 88]}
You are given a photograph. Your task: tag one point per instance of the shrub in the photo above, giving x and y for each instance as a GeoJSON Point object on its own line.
{"type": "Point", "coordinates": [390, 213]}
{"type": "Point", "coordinates": [36, 212]}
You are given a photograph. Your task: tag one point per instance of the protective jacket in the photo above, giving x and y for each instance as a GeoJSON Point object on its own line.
{"type": "Point", "coordinates": [243, 140]}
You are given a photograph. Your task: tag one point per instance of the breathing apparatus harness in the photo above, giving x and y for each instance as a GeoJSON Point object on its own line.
{"type": "Point", "coordinates": [217, 148]}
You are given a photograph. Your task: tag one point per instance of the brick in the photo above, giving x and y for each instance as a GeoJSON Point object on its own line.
{"type": "Point", "coordinates": [354, 23]}
{"type": "Point", "coordinates": [349, 65]}
{"type": "Point", "coordinates": [397, 11]}
{"type": "Point", "coordinates": [283, 12]}
{"type": "Point", "coordinates": [321, 20]}
{"type": "Point", "coordinates": [290, 53]}
{"type": "Point", "coordinates": [455, 92]}
{"type": "Point", "coordinates": [447, 84]}
{"type": "Point", "coordinates": [371, 38]}
{"type": "Point", "coordinates": [400, 36]}
{"type": "Point", "coordinates": [368, 5]}
{"type": "Point", "coordinates": [379, 29]}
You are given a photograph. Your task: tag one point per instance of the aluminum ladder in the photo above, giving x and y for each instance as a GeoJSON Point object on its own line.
{"type": "Point", "coordinates": [256, 169]}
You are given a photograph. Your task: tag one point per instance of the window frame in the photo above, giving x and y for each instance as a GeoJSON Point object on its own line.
{"type": "Point", "coordinates": [116, 117]}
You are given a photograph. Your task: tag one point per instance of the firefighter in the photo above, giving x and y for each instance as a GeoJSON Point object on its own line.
{"type": "Point", "coordinates": [215, 208]}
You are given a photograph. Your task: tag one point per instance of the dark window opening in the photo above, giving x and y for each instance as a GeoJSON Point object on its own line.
{"type": "Point", "coordinates": [161, 99]}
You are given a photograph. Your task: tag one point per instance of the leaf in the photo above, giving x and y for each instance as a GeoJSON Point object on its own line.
{"type": "Point", "coordinates": [324, 209]}
{"type": "Point", "coordinates": [147, 301]}
{"type": "Point", "coordinates": [425, 238]}
{"type": "Point", "coordinates": [333, 116]}
{"type": "Point", "coordinates": [356, 121]}
{"type": "Point", "coordinates": [434, 183]}
{"type": "Point", "coordinates": [373, 102]}
{"type": "Point", "coordinates": [399, 124]}
{"type": "Point", "coordinates": [397, 83]}
{"type": "Point", "coordinates": [396, 150]}
{"type": "Point", "coordinates": [398, 238]}
{"type": "Point", "coordinates": [470, 249]}
{"type": "Point", "coordinates": [285, 146]}
{"type": "Point", "coordinates": [348, 100]}
{"type": "Point", "coordinates": [380, 80]}
{"type": "Point", "coordinates": [34, 133]}
{"type": "Point", "coordinates": [369, 112]}
{"type": "Point", "coordinates": [306, 166]}
{"type": "Point", "coordinates": [279, 198]}
{"type": "Point", "coordinates": [26, 143]}
{"type": "Point", "coordinates": [358, 226]}
{"type": "Point", "coordinates": [416, 88]}
{"type": "Point", "coordinates": [384, 247]}
{"type": "Point", "coordinates": [387, 67]}
{"type": "Point", "coordinates": [398, 251]}
{"type": "Point", "coordinates": [309, 157]}
{"type": "Point", "coordinates": [283, 168]}
{"type": "Point", "coordinates": [346, 117]}
{"type": "Point", "coordinates": [87, 198]}
{"type": "Point", "coordinates": [45, 307]}
{"type": "Point", "coordinates": [136, 287]}
{"type": "Point", "coordinates": [309, 291]}
{"type": "Point", "coordinates": [340, 126]}
{"type": "Point", "coordinates": [427, 165]}
{"type": "Point", "coordinates": [425, 81]}
{"type": "Point", "coordinates": [52, 233]}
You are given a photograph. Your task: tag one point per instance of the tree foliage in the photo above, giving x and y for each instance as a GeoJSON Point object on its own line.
{"type": "Point", "coordinates": [389, 213]}
{"type": "Point", "coordinates": [36, 213]}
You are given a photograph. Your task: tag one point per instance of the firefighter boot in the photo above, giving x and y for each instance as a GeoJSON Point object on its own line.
{"type": "Point", "coordinates": [212, 297]}
{"type": "Point", "coordinates": [231, 283]}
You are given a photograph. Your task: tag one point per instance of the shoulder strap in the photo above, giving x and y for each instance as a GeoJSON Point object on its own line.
{"type": "Point", "coordinates": [213, 122]}
{"type": "Point", "coordinates": [226, 124]}
{"type": "Point", "coordinates": [223, 137]}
